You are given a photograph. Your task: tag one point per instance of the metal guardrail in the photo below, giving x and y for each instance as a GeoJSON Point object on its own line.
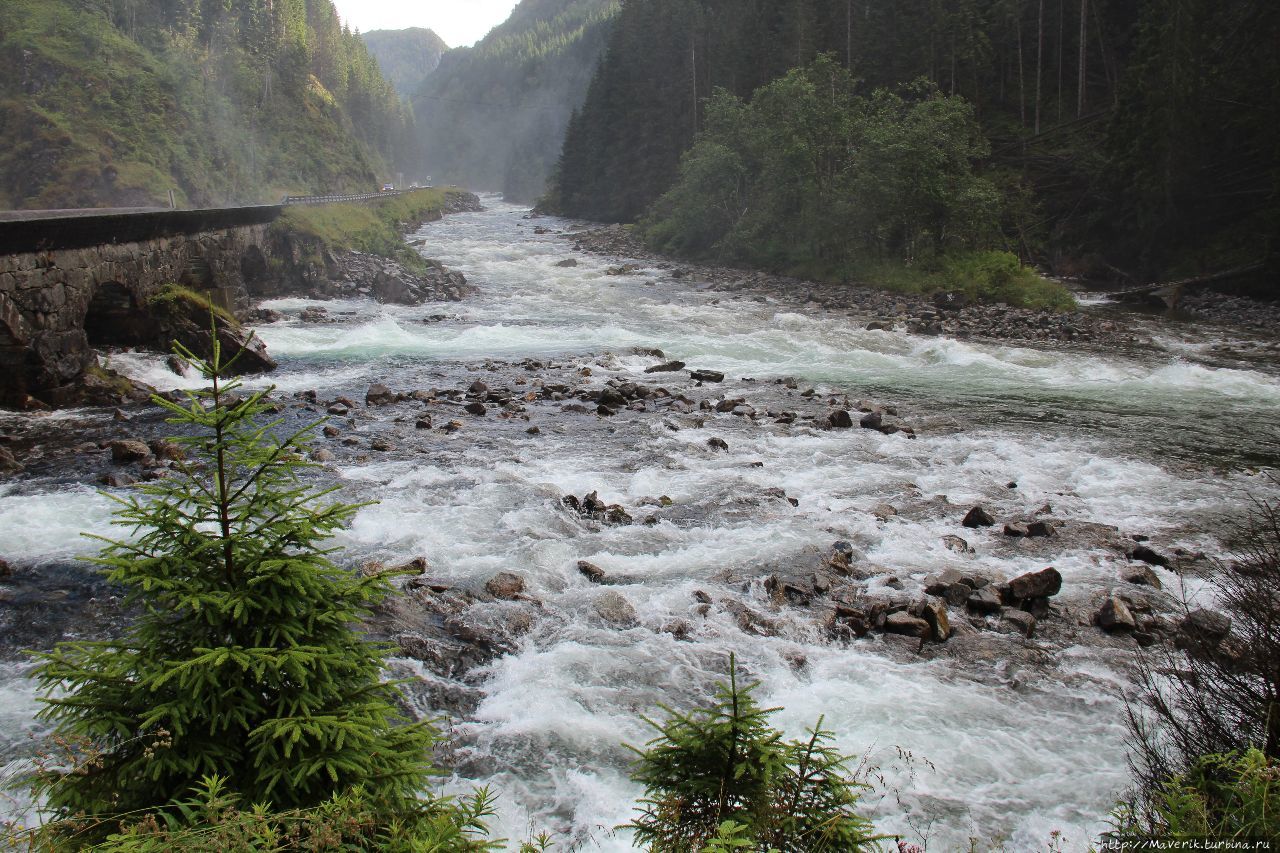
{"type": "Point", "coordinates": [290, 200]}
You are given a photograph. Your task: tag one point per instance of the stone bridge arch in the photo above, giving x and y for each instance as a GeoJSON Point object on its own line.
{"type": "Point", "coordinates": [69, 285]}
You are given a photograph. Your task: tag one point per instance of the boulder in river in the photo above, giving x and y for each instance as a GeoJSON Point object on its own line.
{"type": "Point", "coordinates": [1150, 556]}
{"type": "Point", "coordinates": [1140, 575]}
{"type": "Point", "coordinates": [379, 395]}
{"type": "Point", "coordinates": [840, 419]}
{"type": "Point", "coordinates": [1202, 631]}
{"type": "Point", "coordinates": [935, 613]}
{"type": "Point", "coordinates": [904, 623]}
{"type": "Point", "coordinates": [978, 517]}
{"type": "Point", "coordinates": [706, 375]}
{"type": "Point", "coordinates": [591, 571]}
{"type": "Point", "coordinates": [1114, 616]}
{"type": "Point", "coordinates": [129, 450]}
{"type": "Point", "coordinates": [1042, 584]}
{"type": "Point", "coordinates": [667, 367]}
{"type": "Point", "coordinates": [613, 607]}
{"type": "Point", "coordinates": [505, 585]}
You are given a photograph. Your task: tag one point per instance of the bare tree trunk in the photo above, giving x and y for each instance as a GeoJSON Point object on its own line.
{"type": "Point", "coordinates": [693, 76]}
{"type": "Point", "coordinates": [1062, 34]}
{"type": "Point", "coordinates": [848, 35]}
{"type": "Point", "coordinates": [1022, 88]}
{"type": "Point", "coordinates": [1039, 60]}
{"type": "Point", "coordinates": [1084, 57]}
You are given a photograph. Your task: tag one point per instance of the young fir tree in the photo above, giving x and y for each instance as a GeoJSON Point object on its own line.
{"type": "Point", "coordinates": [721, 778]}
{"type": "Point", "coordinates": [243, 664]}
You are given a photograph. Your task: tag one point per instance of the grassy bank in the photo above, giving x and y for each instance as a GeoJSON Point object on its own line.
{"type": "Point", "coordinates": [983, 277]}
{"type": "Point", "coordinates": [373, 227]}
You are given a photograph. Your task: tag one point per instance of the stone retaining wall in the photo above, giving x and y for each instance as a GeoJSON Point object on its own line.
{"type": "Point", "coordinates": [56, 304]}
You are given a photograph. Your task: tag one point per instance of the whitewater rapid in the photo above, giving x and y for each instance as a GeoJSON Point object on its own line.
{"type": "Point", "coordinates": [1161, 445]}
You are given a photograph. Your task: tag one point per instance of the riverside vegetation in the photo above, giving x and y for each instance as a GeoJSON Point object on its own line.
{"type": "Point", "coordinates": [243, 709]}
{"type": "Point", "coordinates": [1097, 153]}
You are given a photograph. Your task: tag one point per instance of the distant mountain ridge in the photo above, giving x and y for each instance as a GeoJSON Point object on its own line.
{"type": "Point", "coordinates": [492, 117]}
{"type": "Point", "coordinates": [406, 57]}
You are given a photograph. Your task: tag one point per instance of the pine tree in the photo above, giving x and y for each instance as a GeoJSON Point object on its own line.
{"type": "Point", "coordinates": [243, 663]}
{"type": "Point", "coordinates": [722, 778]}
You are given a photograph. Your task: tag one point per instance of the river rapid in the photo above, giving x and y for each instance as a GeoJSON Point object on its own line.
{"type": "Point", "coordinates": [1165, 442]}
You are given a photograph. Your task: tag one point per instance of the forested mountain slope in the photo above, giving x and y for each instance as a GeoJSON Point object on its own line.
{"type": "Point", "coordinates": [114, 102]}
{"type": "Point", "coordinates": [1141, 135]}
{"type": "Point", "coordinates": [406, 57]}
{"type": "Point", "coordinates": [493, 116]}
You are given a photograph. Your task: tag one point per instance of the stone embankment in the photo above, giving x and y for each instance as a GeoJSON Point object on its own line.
{"type": "Point", "coordinates": [58, 307]}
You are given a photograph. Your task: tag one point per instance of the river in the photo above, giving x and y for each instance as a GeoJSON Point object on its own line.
{"type": "Point", "coordinates": [1166, 442]}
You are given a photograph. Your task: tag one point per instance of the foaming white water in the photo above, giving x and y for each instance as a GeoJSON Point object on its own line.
{"type": "Point", "coordinates": [51, 525]}
{"type": "Point", "coordinates": [1003, 747]}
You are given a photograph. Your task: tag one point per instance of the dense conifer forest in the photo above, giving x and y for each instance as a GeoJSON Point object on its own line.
{"type": "Point", "coordinates": [114, 102]}
{"type": "Point", "coordinates": [1126, 139]}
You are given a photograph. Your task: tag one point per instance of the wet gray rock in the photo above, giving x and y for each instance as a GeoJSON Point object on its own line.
{"type": "Point", "coordinates": [1042, 584]}
{"type": "Point", "coordinates": [955, 543]}
{"type": "Point", "coordinates": [907, 625]}
{"type": "Point", "coordinates": [125, 451]}
{"type": "Point", "coordinates": [717, 443]}
{"type": "Point", "coordinates": [1202, 631]}
{"type": "Point", "coordinates": [591, 571]}
{"type": "Point", "coordinates": [1016, 529]}
{"type": "Point", "coordinates": [978, 517]}
{"type": "Point", "coordinates": [614, 608]}
{"type": "Point", "coordinates": [706, 375]}
{"type": "Point", "coordinates": [1142, 575]}
{"type": "Point", "coordinates": [379, 395]}
{"type": "Point", "coordinates": [475, 408]}
{"type": "Point", "coordinates": [1114, 616]}
{"type": "Point", "coordinates": [1018, 621]}
{"type": "Point", "coordinates": [1041, 528]}
{"type": "Point", "coordinates": [790, 589]}
{"type": "Point", "coordinates": [840, 419]}
{"type": "Point", "coordinates": [934, 612]}
{"type": "Point", "coordinates": [668, 367]}
{"type": "Point", "coordinates": [1147, 555]}
{"type": "Point", "coordinates": [872, 420]}
{"type": "Point", "coordinates": [567, 263]}
{"type": "Point", "coordinates": [9, 464]}
{"type": "Point", "coordinates": [985, 601]}
{"type": "Point", "coordinates": [505, 585]}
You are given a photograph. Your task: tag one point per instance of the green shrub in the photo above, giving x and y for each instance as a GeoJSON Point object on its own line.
{"type": "Point", "coordinates": [1000, 277]}
{"type": "Point", "coordinates": [721, 778]}
{"type": "Point", "coordinates": [1221, 797]}
{"type": "Point", "coordinates": [983, 277]}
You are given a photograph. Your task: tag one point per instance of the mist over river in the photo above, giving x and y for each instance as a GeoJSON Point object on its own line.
{"type": "Point", "coordinates": [1010, 741]}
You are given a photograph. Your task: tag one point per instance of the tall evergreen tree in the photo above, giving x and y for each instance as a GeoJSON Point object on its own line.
{"type": "Point", "coordinates": [243, 662]}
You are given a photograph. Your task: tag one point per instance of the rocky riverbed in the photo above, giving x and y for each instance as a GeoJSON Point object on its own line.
{"type": "Point", "coordinates": [606, 475]}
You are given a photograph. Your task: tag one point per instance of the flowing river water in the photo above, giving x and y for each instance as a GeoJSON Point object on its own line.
{"type": "Point", "coordinates": [1164, 442]}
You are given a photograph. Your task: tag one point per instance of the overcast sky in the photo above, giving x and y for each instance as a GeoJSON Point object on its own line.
{"type": "Point", "coordinates": [458, 22]}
